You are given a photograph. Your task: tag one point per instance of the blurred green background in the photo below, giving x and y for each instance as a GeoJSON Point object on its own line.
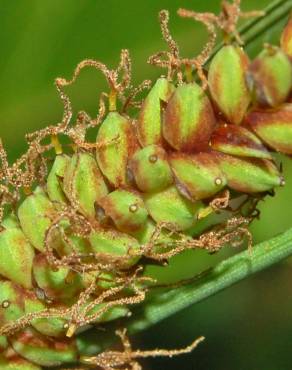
{"type": "Point", "coordinates": [248, 326]}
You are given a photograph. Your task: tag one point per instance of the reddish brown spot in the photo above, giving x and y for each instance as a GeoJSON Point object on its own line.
{"type": "Point", "coordinates": [133, 144]}
{"type": "Point", "coordinates": [204, 130]}
{"type": "Point", "coordinates": [216, 85]}
{"type": "Point", "coordinates": [171, 118]}
{"type": "Point", "coordinates": [34, 339]}
{"type": "Point", "coordinates": [260, 117]}
{"type": "Point", "coordinates": [13, 357]}
{"type": "Point", "coordinates": [234, 135]}
{"type": "Point", "coordinates": [30, 338]}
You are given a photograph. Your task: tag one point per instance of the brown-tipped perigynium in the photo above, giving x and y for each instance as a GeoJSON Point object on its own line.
{"type": "Point", "coordinates": [16, 256]}
{"type": "Point", "coordinates": [117, 143]}
{"type": "Point", "coordinates": [227, 82]}
{"type": "Point", "coordinates": [169, 206]}
{"type": "Point", "coordinates": [271, 76]}
{"type": "Point", "coordinates": [274, 127]}
{"type": "Point", "coordinates": [150, 169]}
{"type": "Point", "coordinates": [249, 175]}
{"type": "Point", "coordinates": [116, 243]}
{"type": "Point", "coordinates": [36, 214]}
{"type": "Point", "coordinates": [198, 176]}
{"type": "Point", "coordinates": [188, 119]}
{"type": "Point", "coordinates": [58, 284]}
{"type": "Point", "coordinates": [126, 209]}
{"type": "Point", "coordinates": [55, 179]}
{"type": "Point", "coordinates": [82, 169]}
{"type": "Point", "coordinates": [238, 141]}
{"type": "Point", "coordinates": [149, 121]}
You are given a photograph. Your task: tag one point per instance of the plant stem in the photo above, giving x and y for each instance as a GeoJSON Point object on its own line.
{"type": "Point", "coordinates": [274, 13]}
{"type": "Point", "coordinates": [225, 274]}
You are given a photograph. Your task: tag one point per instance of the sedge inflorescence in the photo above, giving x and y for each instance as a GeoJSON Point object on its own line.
{"type": "Point", "coordinates": [182, 169]}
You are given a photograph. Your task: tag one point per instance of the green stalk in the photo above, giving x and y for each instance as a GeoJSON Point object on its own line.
{"type": "Point", "coordinates": [226, 273]}
{"type": "Point", "coordinates": [274, 13]}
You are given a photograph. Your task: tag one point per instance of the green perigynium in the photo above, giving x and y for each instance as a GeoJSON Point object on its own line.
{"type": "Point", "coordinates": [271, 73]}
{"type": "Point", "coordinates": [273, 127]}
{"type": "Point", "coordinates": [149, 120]}
{"type": "Point", "coordinates": [228, 83]}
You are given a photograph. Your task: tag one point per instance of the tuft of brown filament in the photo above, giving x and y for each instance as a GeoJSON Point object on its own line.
{"type": "Point", "coordinates": [110, 360]}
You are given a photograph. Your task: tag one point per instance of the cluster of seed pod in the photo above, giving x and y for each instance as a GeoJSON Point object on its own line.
{"type": "Point", "coordinates": [71, 250]}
